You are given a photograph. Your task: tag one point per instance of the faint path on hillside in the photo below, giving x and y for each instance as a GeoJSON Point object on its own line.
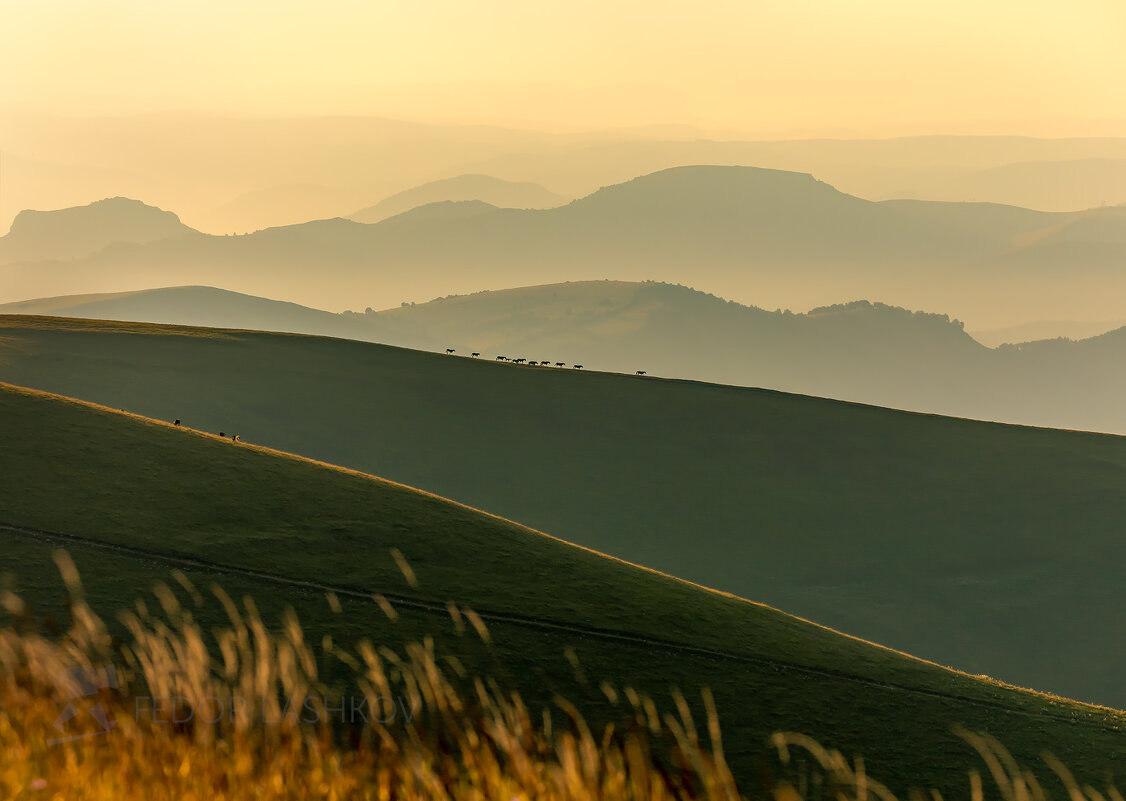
{"type": "Point", "coordinates": [776, 665]}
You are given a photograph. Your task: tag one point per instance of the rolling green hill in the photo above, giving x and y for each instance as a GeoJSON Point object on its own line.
{"type": "Point", "coordinates": [860, 351]}
{"type": "Point", "coordinates": [995, 549]}
{"type": "Point", "coordinates": [767, 237]}
{"type": "Point", "coordinates": [132, 498]}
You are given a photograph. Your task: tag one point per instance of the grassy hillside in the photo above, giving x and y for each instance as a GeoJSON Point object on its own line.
{"type": "Point", "coordinates": [758, 236]}
{"type": "Point", "coordinates": [982, 546]}
{"type": "Point", "coordinates": [133, 498]}
{"type": "Point", "coordinates": [863, 352]}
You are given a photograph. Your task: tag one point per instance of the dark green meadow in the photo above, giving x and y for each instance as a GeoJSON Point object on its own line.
{"type": "Point", "coordinates": [994, 549]}
{"type": "Point", "coordinates": [132, 499]}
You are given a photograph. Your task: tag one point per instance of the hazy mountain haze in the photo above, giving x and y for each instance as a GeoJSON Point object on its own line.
{"type": "Point", "coordinates": [85, 230]}
{"type": "Point", "coordinates": [494, 191]}
{"type": "Point", "coordinates": [205, 137]}
{"type": "Point", "coordinates": [205, 306]}
{"type": "Point", "coordinates": [770, 238]}
{"type": "Point", "coordinates": [1045, 329]}
{"type": "Point", "coordinates": [639, 64]}
{"type": "Point", "coordinates": [214, 171]}
{"type": "Point", "coordinates": [875, 169]}
{"type": "Point", "coordinates": [1045, 185]}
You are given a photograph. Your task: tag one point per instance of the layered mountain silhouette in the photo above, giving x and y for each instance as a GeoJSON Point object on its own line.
{"type": "Point", "coordinates": [1046, 185]}
{"type": "Point", "coordinates": [195, 305]}
{"type": "Point", "coordinates": [328, 166]}
{"type": "Point", "coordinates": [1045, 329]}
{"type": "Point", "coordinates": [290, 204]}
{"type": "Point", "coordinates": [757, 236]}
{"type": "Point", "coordinates": [875, 169]}
{"type": "Point", "coordinates": [443, 211]}
{"type": "Point", "coordinates": [485, 188]}
{"type": "Point", "coordinates": [84, 230]}
{"type": "Point", "coordinates": [860, 351]}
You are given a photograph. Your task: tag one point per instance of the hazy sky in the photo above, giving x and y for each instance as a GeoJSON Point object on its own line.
{"type": "Point", "coordinates": [867, 67]}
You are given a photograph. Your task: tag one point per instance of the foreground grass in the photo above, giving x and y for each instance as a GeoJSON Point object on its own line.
{"type": "Point", "coordinates": [433, 731]}
{"type": "Point", "coordinates": [481, 745]}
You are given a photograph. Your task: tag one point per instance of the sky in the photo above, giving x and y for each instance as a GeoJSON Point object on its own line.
{"type": "Point", "coordinates": [801, 67]}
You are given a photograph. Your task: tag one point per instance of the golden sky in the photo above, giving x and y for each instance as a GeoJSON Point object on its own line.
{"type": "Point", "coordinates": [820, 67]}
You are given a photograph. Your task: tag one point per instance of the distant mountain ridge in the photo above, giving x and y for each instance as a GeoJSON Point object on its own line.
{"type": "Point", "coordinates": [442, 210]}
{"type": "Point", "coordinates": [1045, 329]}
{"type": "Point", "coordinates": [1046, 185]}
{"type": "Point", "coordinates": [84, 230]}
{"type": "Point", "coordinates": [859, 351]}
{"type": "Point", "coordinates": [759, 236]}
{"type": "Point", "coordinates": [327, 166]}
{"type": "Point", "coordinates": [202, 306]}
{"type": "Point", "coordinates": [485, 188]}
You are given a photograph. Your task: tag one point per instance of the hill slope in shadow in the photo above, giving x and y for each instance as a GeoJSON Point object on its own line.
{"type": "Point", "coordinates": [977, 545]}
{"type": "Point", "coordinates": [284, 530]}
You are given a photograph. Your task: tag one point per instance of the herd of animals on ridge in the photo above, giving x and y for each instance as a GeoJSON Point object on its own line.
{"type": "Point", "coordinates": [449, 352]}
{"type": "Point", "coordinates": [544, 363]}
